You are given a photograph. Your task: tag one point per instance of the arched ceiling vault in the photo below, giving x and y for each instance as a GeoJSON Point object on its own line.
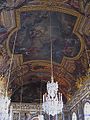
{"type": "Point", "coordinates": [41, 73]}
{"type": "Point", "coordinates": [29, 28]}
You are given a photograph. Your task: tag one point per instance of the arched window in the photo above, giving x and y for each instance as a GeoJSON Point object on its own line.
{"type": "Point", "coordinates": [87, 111]}
{"type": "Point", "coordinates": [35, 118]}
{"type": "Point", "coordinates": [74, 116]}
{"type": "Point", "coordinates": [39, 117]}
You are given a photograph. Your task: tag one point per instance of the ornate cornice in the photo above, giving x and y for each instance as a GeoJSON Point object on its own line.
{"type": "Point", "coordinates": [32, 108]}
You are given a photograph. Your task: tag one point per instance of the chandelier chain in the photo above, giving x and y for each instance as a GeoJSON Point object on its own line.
{"type": "Point", "coordinates": [51, 42]}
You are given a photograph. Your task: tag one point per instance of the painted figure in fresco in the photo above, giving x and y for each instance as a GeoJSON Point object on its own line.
{"type": "Point", "coordinates": [86, 2]}
{"type": "Point", "coordinates": [78, 5]}
{"type": "Point", "coordinates": [14, 3]}
{"type": "Point", "coordinates": [3, 33]}
{"type": "Point", "coordinates": [87, 38]}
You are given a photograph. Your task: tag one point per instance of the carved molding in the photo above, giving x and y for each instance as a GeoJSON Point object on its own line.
{"type": "Point", "coordinates": [32, 108]}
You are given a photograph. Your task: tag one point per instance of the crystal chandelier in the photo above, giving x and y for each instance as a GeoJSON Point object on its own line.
{"type": "Point", "coordinates": [4, 101]}
{"type": "Point", "coordinates": [52, 100]}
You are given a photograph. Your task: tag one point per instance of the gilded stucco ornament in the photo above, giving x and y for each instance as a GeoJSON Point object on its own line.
{"type": "Point", "coordinates": [3, 87]}
{"type": "Point", "coordinates": [81, 80]}
{"type": "Point", "coordinates": [3, 60]}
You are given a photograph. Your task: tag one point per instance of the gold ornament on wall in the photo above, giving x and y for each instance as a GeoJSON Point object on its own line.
{"type": "Point", "coordinates": [3, 86]}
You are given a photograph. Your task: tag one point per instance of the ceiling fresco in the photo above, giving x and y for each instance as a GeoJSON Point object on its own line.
{"type": "Point", "coordinates": [37, 27]}
{"type": "Point", "coordinates": [36, 32]}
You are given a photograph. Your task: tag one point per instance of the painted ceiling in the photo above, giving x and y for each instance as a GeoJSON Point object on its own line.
{"type": "Point", "coordinates": [27, 28]}
{"type": "Point", "coordinates": [36, 32]}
